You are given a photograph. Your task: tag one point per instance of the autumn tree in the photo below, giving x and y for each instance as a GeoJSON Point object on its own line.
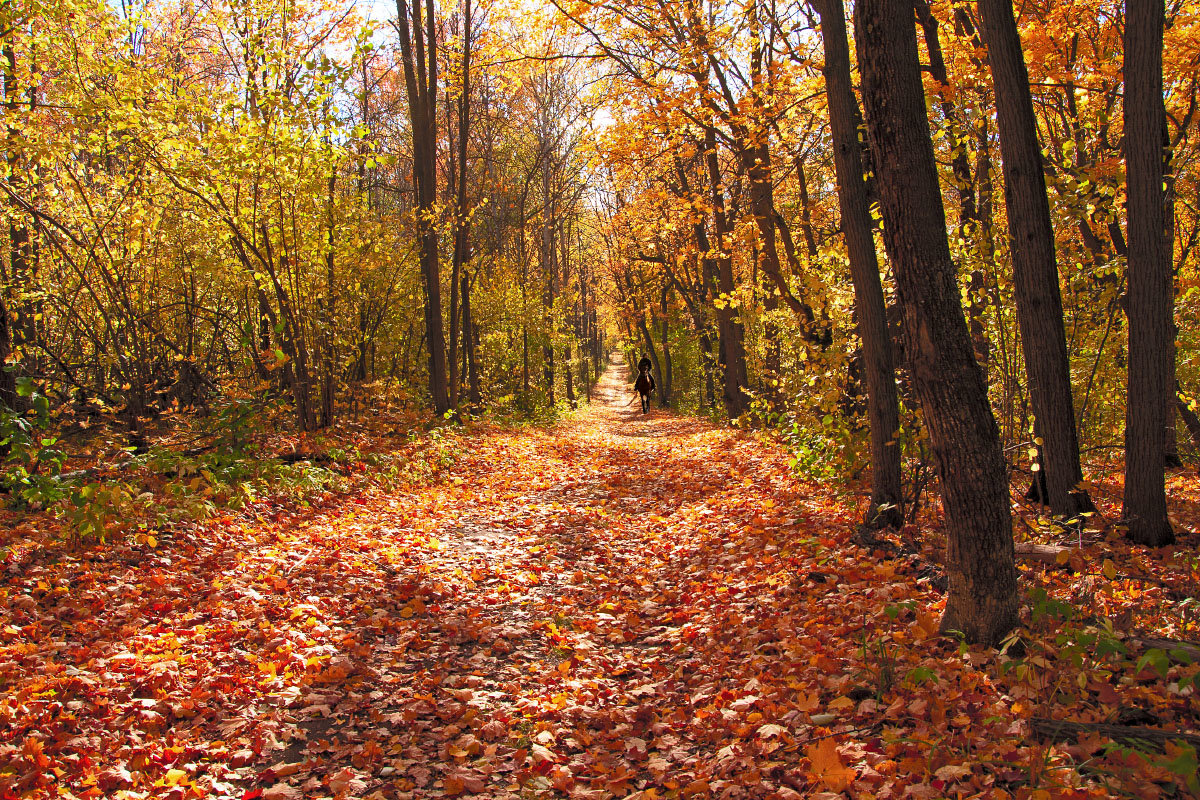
{"type": "Point", "coordinates": [1035, 269]}
{"type": "Point", "coordinates": [870, 312]}
{"type": "Point", "coordinates": [1149, 277]}
{"type": "Point", "coordinates": [982, 598]}
{"type": "Point", "coordinates": [418, 48]}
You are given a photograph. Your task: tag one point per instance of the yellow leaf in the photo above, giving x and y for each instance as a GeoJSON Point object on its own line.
{"type": "Point", "coordinates": [174, 777]}
{"type": "Point", "coordinates": [1109, 569]}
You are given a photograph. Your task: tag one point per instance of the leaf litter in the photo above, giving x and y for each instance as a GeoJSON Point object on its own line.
{"type": "Point", "coordinates": [616, 606]}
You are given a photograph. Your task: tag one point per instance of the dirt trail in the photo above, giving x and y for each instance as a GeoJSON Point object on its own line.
{"type": "Point", "coordinates": [575, 599]}
{"type": "Point", "coordinates": [590, 609]}
{"type": "Point", "coordinates": [615, 605]}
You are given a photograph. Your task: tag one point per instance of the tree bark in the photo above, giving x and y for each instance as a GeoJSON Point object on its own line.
{"type": "Point", "coordinates": [420, 80]}
{"type": "Point", "coordinates": [469, 332]}
{"type": "Point", "coordinates": [328, 309]}
{"type": "Point", "coordinates": [1035, 267]}
{"type": "Point", "coordinates": [1149, 278]}
{"type": "Point", "coordinates": [982, 593]}
{"type": "Point", "coordinates": [879, 376]}
{"type": "Point", "coordinates": [1171, 458]}
{"type": "Point", "coordinates": [461, 219]}
{"type": "Point", "coordinates": [667, 376]}
{"type": "Point", "coordinates": [731, 331]}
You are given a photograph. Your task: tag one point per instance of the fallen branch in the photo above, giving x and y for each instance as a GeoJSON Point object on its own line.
{"type": "Point", "coordinates": [1041, 553]}
{"type": "Point", "coordinates": [295, 458]}
{"type": "Point", "coordinates": [1061, 730]}
{"type": "Point", "coordinates": [1169, 646]}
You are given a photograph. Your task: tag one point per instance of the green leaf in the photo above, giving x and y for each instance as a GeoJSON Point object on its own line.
{"type": "Point", "coordinates": [1157, 660]}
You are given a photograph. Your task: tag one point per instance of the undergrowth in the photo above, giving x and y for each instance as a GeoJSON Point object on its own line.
{"type": "Point", "coordinates": [244, 461]}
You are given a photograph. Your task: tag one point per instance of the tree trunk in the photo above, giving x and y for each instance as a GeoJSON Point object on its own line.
{"type": "Point", "coordinates": [328, 309]}
{"type": "Point", "coordinates": [879, 376]}
{"type": "Point", "coordinates": [1171, 458]}
{"type": "Point", "coordinates": [462, 227]}
{"type": "Point", "coordinates": [420, 79]}
{"type": "Point", "coordinates": [1035, 268]}
{"type": "Point", "coordinates": [709, 398]}
{"type": "Point", "coordinates": [974, 218]}
{"type": "Point", "coordinates": [732, 333]}
{"type": "Point", "coordinates": [564, 243]}
{"type": "Point", "coordinates": [806, 225]}
{"type": "Point", "coordinates": [8, 381]}
{"type": "Point", "coordinates": [15, 280]}
{"type": "Point", "coordinates": [549, 259]}
{"type": "Point", "coordinates": [1149, 278]}
{"type": "Point", "coordinates": [982, 593]}
{"type": "Point", "coordinates": [475, 396]}
{"type": "Point", "coordinates": [667, 375]}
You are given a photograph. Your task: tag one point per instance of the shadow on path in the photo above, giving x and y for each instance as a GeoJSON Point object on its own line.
{"type": "Point", "coordinates": [545, 620]}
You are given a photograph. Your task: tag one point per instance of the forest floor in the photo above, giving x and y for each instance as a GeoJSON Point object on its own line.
{"type": "Point", "coordinates": [616, 605]}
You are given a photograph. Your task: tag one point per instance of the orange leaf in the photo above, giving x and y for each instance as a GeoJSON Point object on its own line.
{"type": "Point", "coordinates": [828, 767]}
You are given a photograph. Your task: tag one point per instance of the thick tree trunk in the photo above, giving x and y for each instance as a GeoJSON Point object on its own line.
{"type": "Point", "coordinates": [453, 376]}
{"type": "Point", "coordinates": [982, 596]}
{"type": "Point", "coordinates": [1035, 268]}
{"type": "Point", "coordinates": [1149, 278]}
{"type": "Point", "coordinates": [420, 78]}
{"type": "Point", "coordinates": [879, 375]}
{"type": "Point", "coordinates": [974, 218]}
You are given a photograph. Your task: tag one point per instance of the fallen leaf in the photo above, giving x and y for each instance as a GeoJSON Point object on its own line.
{"type": "Point", "coordinates": [827, 766]}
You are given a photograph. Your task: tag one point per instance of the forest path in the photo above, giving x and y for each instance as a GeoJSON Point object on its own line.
{"type": "Point", "coordinates": [609, 604]}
